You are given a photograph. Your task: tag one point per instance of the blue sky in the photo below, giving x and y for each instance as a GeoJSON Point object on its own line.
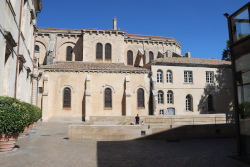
{"type": "Point", "coordinates": [199, 25]}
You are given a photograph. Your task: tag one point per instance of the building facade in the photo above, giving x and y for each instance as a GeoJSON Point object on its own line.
{"type": "Point", "coordinates": [17, 38]}
{"type": "Point", "coordinates": [97, 72]}
{"type": "Point", "coordinates": [188, 86]}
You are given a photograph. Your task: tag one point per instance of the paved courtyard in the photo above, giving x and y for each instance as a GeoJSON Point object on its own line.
{"type": "Point", "coordinates": [49, 146]}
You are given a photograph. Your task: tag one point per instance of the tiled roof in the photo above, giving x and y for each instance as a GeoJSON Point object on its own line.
{"type": "Point", "coordinates": [93, 66]}
{"type": "Point", "coordinates": [190, 62]}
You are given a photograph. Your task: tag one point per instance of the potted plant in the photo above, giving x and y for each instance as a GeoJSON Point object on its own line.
{"type": "Point", "coordinates": [13, 120]}
{"type": "Point", "coordinates": [244, 110]}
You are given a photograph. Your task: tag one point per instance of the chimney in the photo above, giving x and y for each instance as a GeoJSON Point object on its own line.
{"type": "Point", "coordinates": [188, 54]}
{"type": "Point", "coordinates": [114, 24]}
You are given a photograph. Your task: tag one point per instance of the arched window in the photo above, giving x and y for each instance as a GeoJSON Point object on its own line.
{"type": "Point", "coordinates": [210, 103]}
{"type": "Point", "coordinates": [37, 49]}
{"type": "Point", "coordinates": [170, 97]}
{"type": "Point", "coordinates": [140, 97]}
{"type": "Point", "coordinates": [159, 76]}
{"type": "Point", "coordinates": [160, 97]}
{"type": "Point", "coordinates": [108, 50]}
{"type": "Point", "coordinates": [69, 53]}
{"type": "Point", "coordinates": [130, 57]}
{"type": "Point", "coordinates": [108, 98]}
{"type": "Point", "coordinates": [188, 103]}
{"type": "Point", "coordinates": [151, 56]}
{"type": "Point", "coordinates": [67, 97]}
{"type": "Point", "coordinates": [169, 76]}
{"type": "Point", "coordinates": [99, 51]}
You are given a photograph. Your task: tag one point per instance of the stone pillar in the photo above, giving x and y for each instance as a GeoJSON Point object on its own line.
{"type": "Point", "coordinates": [146, 57]}
{"type": "Point", "coordinates": [128, 97]}
{"type": "Point", "coordinates": [87, 98]}
{"type": "Point", "coordinates": [155, 96]}
{"type": "Point", "coordinates": [169, 53]}
{"type": "Point", "coordinates": [45, 112]}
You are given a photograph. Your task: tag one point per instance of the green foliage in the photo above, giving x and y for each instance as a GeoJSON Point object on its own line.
{"type": "Point", "coordinates": [244, 109]}
{"type": "Point", "coordinates": [16, 115]}
{"type": "Point", "coordinates": [226, 55]}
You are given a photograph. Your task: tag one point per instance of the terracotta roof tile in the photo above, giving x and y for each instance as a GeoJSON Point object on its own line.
{"type": "Point", "coordinates": [190, 62]}
{"type": "Point", "coordinates": [93, 66]}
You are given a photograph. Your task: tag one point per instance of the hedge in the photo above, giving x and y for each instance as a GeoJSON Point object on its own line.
{"type": "Point", "coordinates": [16, 115]}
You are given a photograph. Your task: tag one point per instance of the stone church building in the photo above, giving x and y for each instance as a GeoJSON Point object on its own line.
{"type": "Point", "coordinates": [101, 72]}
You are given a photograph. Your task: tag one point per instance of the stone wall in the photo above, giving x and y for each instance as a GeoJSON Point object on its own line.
{"type": "Point", "coordinates": [152, 132]}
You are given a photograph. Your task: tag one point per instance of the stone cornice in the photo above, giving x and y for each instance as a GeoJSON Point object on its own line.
{"type": "Point", "coordinates": [154, 40]}
{"type": "Point", "coordinates": [103, 32]}
{"type": "Point", "coordinates": [96, 71]}
{"type": "Point", "coordinates": [190, 65]}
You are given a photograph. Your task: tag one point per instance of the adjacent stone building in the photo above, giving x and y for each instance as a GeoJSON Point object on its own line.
{"type": "Point", "coordinates": [99, 72]}
{"type": "Point", "coordinates": [17, 38]}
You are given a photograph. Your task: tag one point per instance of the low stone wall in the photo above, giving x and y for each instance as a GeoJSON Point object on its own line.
{"type": "Point", "coordinates": [161, 120]}
{"type": "Point", "coordinates": [150, 132]}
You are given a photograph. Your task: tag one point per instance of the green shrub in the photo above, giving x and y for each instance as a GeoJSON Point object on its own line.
{"type": "Point", "coordinates": [244, 109]}
{"type": "Point", "coordinates": [16, 115]}
{"type": "Point", "coordinates": [13, 118]}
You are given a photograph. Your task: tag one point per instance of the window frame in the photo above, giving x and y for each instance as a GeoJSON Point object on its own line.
{"type": "Point", "coordinates": [189, 103]}
{"type": "Point", "coordinates": [188, 76]}
{"type": "Point", "coordinates": [160, 95]}
{"type": "Point", "coordinates": [69, 56]}
{"type": "Point", "coordinates": [140, 100]}
{"type": "Point", "coordinates": [64, 105]}
{"type": "Point", "coordinates": [99, 52]}
{"type": "Point", "coordinates": [107, 101]}
{"type": "Point", "coordinates": [151, 56]}
{"type": "Point", "coordinates": [159, 76]}
{"type": "Point", "coordinates": [108, 52]}
{"type": "Point", "coordinates": [209, 77]}
{"type": "Point", "coordinates": [130, 58]}
{"type": "Point", "coordinates": [169, 76]}
{"type": "Point", "coordinates": [162, 112]}
{"type": "Point", "coordinates": [170, 99]}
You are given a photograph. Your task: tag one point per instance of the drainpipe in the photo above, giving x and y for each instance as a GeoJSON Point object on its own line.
{"type": "Point", "coordinates": [33, 58]}
{"type": "Point", "coordinates": [18, 45]}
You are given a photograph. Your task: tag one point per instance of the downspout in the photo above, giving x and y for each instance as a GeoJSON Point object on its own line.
{"type": "Point", "coordinates": [33, 58]}
{"type": "Point", "coordinates": [18, 45]}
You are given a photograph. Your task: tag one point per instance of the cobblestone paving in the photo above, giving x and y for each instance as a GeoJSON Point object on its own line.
{"type": "Point", "coordinates": [49, 147]}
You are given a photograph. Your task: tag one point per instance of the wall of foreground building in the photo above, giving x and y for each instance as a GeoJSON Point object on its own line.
{"type": "Point", "coordinates": [16, 76]}
{"type": "Point", "coordinates": [153, 132]}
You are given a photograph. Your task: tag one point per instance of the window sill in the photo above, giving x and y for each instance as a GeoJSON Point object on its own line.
{"type": "Point", "coordinates": [140, 108]}
{"type": "Point", "coordinates": [188, 83]}
{"type": "Point", "coordinates": [106, 108]}
{"type": "Point", "coordinates": [66, 108]}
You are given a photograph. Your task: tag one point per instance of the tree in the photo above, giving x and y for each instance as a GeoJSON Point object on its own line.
{"type": "Point", "coordinates": [226, 55]}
